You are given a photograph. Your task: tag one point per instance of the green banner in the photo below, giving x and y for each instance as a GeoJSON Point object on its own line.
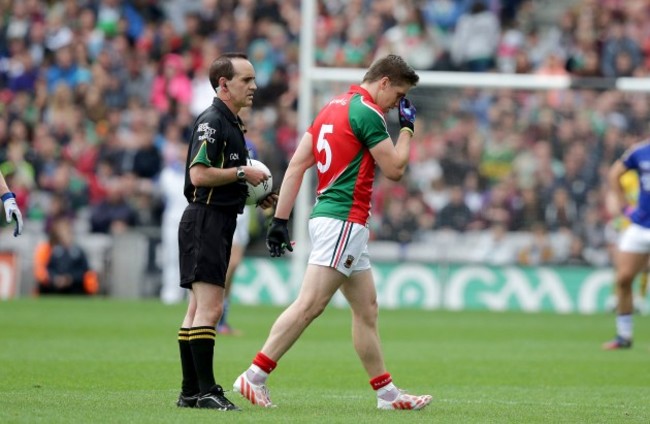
{"type": "Point", "coordinates": [452, 287]}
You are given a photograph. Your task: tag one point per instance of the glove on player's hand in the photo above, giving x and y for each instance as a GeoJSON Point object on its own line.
{"type": "Point", "coordinates": [406, 115]}
{"type": "Point", "coordinates": [277, 238]}
{"type": "Point", "coordinates": [12, 212]}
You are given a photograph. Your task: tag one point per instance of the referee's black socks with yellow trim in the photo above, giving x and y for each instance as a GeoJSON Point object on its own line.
{"type": "Point", "coordinates": [202, 345]}
{"type": "Point", "coordinates": [190, 385]}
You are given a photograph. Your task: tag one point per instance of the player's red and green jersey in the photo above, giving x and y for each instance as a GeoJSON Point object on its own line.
{"type": "Point", "coordinates": [343, 132]}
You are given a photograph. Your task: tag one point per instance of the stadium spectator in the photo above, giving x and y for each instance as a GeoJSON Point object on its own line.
{"type": "Point", "coordinates": [528, 209]}
{"type": "Point", "coordinates": [60, 264]}
{"type": "Point", "coordinates": [620, 53]}
{"type": "Point", "coordinates": [170, 183]}
{"type": "Point", "coordinates": [114, 214]}
{"type": "Point", "coordinates": [539, 250]}
{"type": "Point", "coordinates": [455, 215]}
{"type": "Point", "coordinates": [475, 39]}
{"type": "Point", "coordinates": [497, 208]}
{"type": "Point", "coordinates": [397, 225]}
{"type": "Point", "coordinates": [576, 255]}
{"type": "Point", "coordinates": [491, 247]}
{"type": "Point", "coordinates": [65, 70]}
{"type": "Point", "coordinates": [561, 213]}
{"type": "Point", "coordinates": [511, 44]}
{"type": "Point", "coordinates": [171, 85]}
{"type": "Point", "coordinates": [592, 231]}
{"type": "Point", "coordinates": [411, 38]}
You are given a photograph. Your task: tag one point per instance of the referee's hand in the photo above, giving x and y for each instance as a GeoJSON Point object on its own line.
{"type": "Point", "coordinates": [269, 201]}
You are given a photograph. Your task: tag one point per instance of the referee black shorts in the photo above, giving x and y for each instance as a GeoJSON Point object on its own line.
{"type": "Point", "coordinates": [205, 239]}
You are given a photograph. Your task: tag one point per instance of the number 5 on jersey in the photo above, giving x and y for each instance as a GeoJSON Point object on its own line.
{"type": "Point", "coordinates": [323, 145]}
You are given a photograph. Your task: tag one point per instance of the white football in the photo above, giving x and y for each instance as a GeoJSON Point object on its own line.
{"type": "Point", "coordinates": [263, 189]}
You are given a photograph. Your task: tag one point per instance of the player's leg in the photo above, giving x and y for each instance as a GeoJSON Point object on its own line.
{"type": "Point", "coordinates": [643, 282]}
{"type": "Point", "coordinates": [240, 240]}
{"type": "Point", "coordinates": [205, 238]}
{"type": "Point", "coordinates": [638, 298]}
{"type": "Point", "coordinates": [190, 383]}
{"type": "Point", "coordinates": [236, 256]}
{"type": "Point", "coordinates": [640, 301]}
{"type": "Point", "coordinates": [361, 294]}
{"type": "Point", "coordinates": [318, 286]}
{"type": "Point", "coordinates": [190, 389]}
{"type": "Point", "coordinates": [209, 303]}
{"type": "Point", "coordinates": [628, 264]}
{"type": "Point", "coordinates": [171, 292]}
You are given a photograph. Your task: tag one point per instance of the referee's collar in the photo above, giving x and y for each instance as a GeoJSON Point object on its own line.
{"type": "Point", "coordinates": [235, 119]}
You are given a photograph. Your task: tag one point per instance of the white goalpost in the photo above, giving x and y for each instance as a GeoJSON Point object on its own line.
{"type": "Point", "coordinates": [310, 73]}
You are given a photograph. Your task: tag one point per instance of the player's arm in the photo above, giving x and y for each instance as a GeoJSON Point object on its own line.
{"type": "Point", "coordinates": [392, 159]}
{"type": "Point", "coordinates": [207, 145]}
{"type": "Point", "coordinates": [202, 175]}
{"type": "Point", "coordinates": [4, 188]}
{"type": "Point", "coordinates": [302, 160]}
{"type": "Point", "coordinates": [616, 202]}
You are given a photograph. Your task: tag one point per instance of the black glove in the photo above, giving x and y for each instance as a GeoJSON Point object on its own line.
{"type": "Point", "coordinates": [406, 115]}
{"type": "Point", "coordinates": [277, 238]}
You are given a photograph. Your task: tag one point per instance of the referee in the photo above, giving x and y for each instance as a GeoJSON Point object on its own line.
{"type": "Point", "coordinates": [216, 173]}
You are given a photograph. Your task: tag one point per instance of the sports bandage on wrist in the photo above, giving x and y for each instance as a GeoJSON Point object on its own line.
{"type": "Point", "coordinates": [8, 195]}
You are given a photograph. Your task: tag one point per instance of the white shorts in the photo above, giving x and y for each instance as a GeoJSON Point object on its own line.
{"type": "Point", "coordinates": [341, 245]}
{"type": "Point", "coordinates": [635, 239]}
{"type": "Point", "coordinates": [242, 234]}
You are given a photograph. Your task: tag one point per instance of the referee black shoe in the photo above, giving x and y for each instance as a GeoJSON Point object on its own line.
{"type": "Point", "coordinates": [215, 399]}
{"type": "Point", "coordinates": [187, 401]}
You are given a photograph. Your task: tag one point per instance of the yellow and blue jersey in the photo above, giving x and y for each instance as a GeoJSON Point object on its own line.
{"type": "Point", "coordinates": [637, 159]}
{"type": "Point", "coordinates": [630, 184]}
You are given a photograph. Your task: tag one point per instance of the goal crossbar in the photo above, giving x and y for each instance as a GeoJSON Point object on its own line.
{"type": "Point", "coordinates": [491, 80]}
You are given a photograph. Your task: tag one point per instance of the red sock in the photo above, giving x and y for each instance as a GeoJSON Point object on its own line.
{"type": "Point", "coordinates": [381, 381]}
{"type": "Point", "coordinates": [265, 363]}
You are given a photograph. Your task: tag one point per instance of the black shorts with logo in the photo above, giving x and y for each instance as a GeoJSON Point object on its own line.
{"type": "Point", "coordinates": [205, 240]}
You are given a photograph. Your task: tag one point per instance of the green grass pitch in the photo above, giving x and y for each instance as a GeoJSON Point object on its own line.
{"type": "Point", "coordinates": [70, 360]}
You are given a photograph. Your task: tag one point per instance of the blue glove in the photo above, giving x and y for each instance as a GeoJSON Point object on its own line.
{"type": "Point", "coordinates": [406, 115]}
{"type": "Point", "coordinates": [277, 238]}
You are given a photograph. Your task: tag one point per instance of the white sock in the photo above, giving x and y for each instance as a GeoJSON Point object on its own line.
{"type": "Point", "coordinates": [256, 375]}
{"type": "Point", "coordinates": [388, 393]}
{"type": "Point", "coordinates": [624, 326]}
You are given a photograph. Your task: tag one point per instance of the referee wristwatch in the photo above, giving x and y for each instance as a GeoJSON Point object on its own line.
{"type": "Point", "coordinates": [241, 175]}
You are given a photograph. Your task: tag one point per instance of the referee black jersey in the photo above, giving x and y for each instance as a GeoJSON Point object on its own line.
{"type": "Point", "coordinates": [217, 142]}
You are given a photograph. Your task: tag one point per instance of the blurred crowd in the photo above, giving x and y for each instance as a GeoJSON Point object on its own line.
{"type": "Point", "coordinates": [98, 97]}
